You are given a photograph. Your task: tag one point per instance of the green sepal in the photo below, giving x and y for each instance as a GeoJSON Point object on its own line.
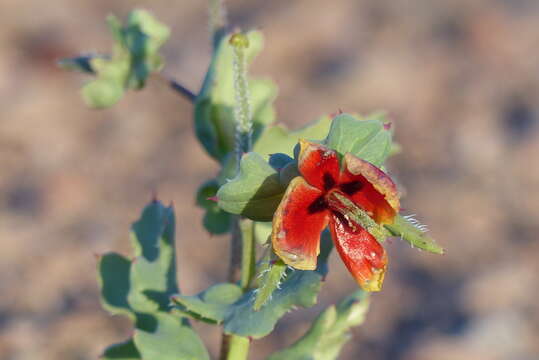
{"type": "Point", "coordinates": [171, 339]}
{"type": "Point", "coordinates": [215, 220]}
{"type": "Point", "coordinates": [366, 138]}
{"type": "Point", "coordinates": [122, 351]}
{"type": "Point", "coordinates": [214, 106]}
{"type": "Point", "coordinates": [329, 332]}
{"type": "Point", "coordinates": [210, 305]}
{"type": "Point", "coordinates": [414, 235]}
{"type": "Point", "coordinates": [356, 215]}
{"type": "Point", "coordinates": [255, 192]}
{"type": "Point", "coordinates": [133, 58]}
{"type": "Point", "coordinates": [270, 276]}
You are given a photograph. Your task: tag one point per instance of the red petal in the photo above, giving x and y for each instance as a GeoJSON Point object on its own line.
{"type": "Point", "coordinates": [297, 223]}
{"type": "Point", "coordinates": [370, 188]}
{"type": "Point", "coordinates": [364, 257]}
{"type": "Point", "coordinates": [319, 165]}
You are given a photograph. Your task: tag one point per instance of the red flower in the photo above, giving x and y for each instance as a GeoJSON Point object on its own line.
{"type": "Point", "coordinates": [309, 204]}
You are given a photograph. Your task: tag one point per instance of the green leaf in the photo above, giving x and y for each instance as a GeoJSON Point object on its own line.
{"type": "Point", "coordinates": [115, 284]}
{"type": "Point", "coordinates": [329, 332]}
{"type": "Point", "coordinates": [278, 139]}
{"type": "Point", "coordinates": [214, 107]}
{"type": "Point", "coordinates": [409, 230]}
{"type": "Point", "coordinates": [140, 289]}
{"type": "Point", "coordinates": [255, 192]}
{"type": "Point", "coordinates": [366, 138]}
{"type": "Point", "coordinates": [153, 273]}
{"type": "Point", "coordinates": [80, 63]}
{"type": "Point", "coordinates": [299, 289]}
{"type": "Point", "coordinates": [209, 305]}
{"type": "Point", "coordinates": [215, 220]}
{"type": "Point", "coordinates": [171, 340]}
{"type": "Point", "coordinates": [134, 56]}
{"type": "Point", "coordinates": [122, 351]}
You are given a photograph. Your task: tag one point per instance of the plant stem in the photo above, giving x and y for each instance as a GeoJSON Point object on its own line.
{"type": "Point", "coordinates": [242, 252]}
{"type": "Point", "coordinates": [248, 253]}
{"type": "Point", "coordinates": [185, 92]}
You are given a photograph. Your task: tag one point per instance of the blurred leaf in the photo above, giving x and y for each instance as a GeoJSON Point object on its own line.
{"type": "Point", "coordinates": [255, 192]}
{"type": "Point", "coordinates": [366, 138]}
{"type": "Point", "coordinates": [134, 56]}
{"type": "Point", "coordinates": [329, 332]}
{"type": "Point", "coordinates": [122, 351]}
{"type": "Point", "coordinates": [216, 220]}
{"type": "Point", "coordinates": [153, 272]}
{"type": "Point", "coordinates": [278, 139]}
{"type": "Point", "coordinates": [413, 233]}
{"type": "Point", "coordinates": [115, 284]}
{"type": "Point", "coordinates": [211, 304]}
{"type": "Point", "coordinates": [80, 63]}
{"type": "Point", "coordinates": [171, 340]}
{"type": "Point", "coordinates": [262, 231]}
{"type": "Point", "coordinates": [214, 107]}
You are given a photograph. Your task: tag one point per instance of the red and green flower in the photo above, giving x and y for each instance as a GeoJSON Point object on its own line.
{"type": "Point", "coordinates": [312, 202]}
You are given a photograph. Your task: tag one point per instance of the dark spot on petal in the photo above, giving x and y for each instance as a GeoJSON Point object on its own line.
{"type": "Point", "coordinates": [318, 205]}
{"type": "Point", "coordinates": [351, 188]}
{"type": "Point", "coordinates": [329, 182]}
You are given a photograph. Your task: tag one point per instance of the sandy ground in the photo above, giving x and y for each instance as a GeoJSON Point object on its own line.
{"type": "Point", "coordinates": [459, 79]}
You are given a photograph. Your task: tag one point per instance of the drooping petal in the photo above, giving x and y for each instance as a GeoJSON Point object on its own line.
{"type": "Point", "coordinates": [318, 164]}
{"type": "Point", "coordinates": [363, 256]}
{"type": "Point", "coordinates": [297, 223]}
{"type": "Point", "coordinates": [370, 188]}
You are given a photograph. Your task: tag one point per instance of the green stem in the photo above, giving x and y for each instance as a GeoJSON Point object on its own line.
{"type": "Point", "coordinates": [239, 348]}
{"type": "Point", "coordinates": [242, 109]}
{"type": "Point", "coordinates": [248, 253]}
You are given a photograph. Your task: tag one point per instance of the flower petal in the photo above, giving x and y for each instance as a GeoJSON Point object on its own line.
{"type": "Point", "coordinates": [370, 188]}
{"type": "Point", "coordinates": [318, 164]}
{"type": "Point", "coordinates": [364, 257]}
{"type": "Point", "coordinates": [297, 223]}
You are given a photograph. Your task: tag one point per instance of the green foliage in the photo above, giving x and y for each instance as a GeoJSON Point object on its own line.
{"type": "Point", "coordinates": [221, 304]}
{"type": "Point", "coordinates": [141, 288]}
{"type": "Point", "coordinates": [366, 138]}
{"type": "Point", "coordinates": [255, 192]}
{"type": "Point", "coordinates": [210, 305]}
{"type": "Point", "coordinates": [410, 230]}
{"type": "Point", "coordinates": [278, 139]}
{"type": "Point", "coordinates": [215, 220]}
{"type": "Point", "coordinates": [122, 351]}
{"type": "Point", "coordinates": [329, 332]}
{"type": "Point", "coordinates": [214, 106]}
{"type": "Point", "coordinates": [133, 57]}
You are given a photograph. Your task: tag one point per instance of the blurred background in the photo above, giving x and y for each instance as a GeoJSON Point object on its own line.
{"type": "Point", "coordinates": [459, 79]}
